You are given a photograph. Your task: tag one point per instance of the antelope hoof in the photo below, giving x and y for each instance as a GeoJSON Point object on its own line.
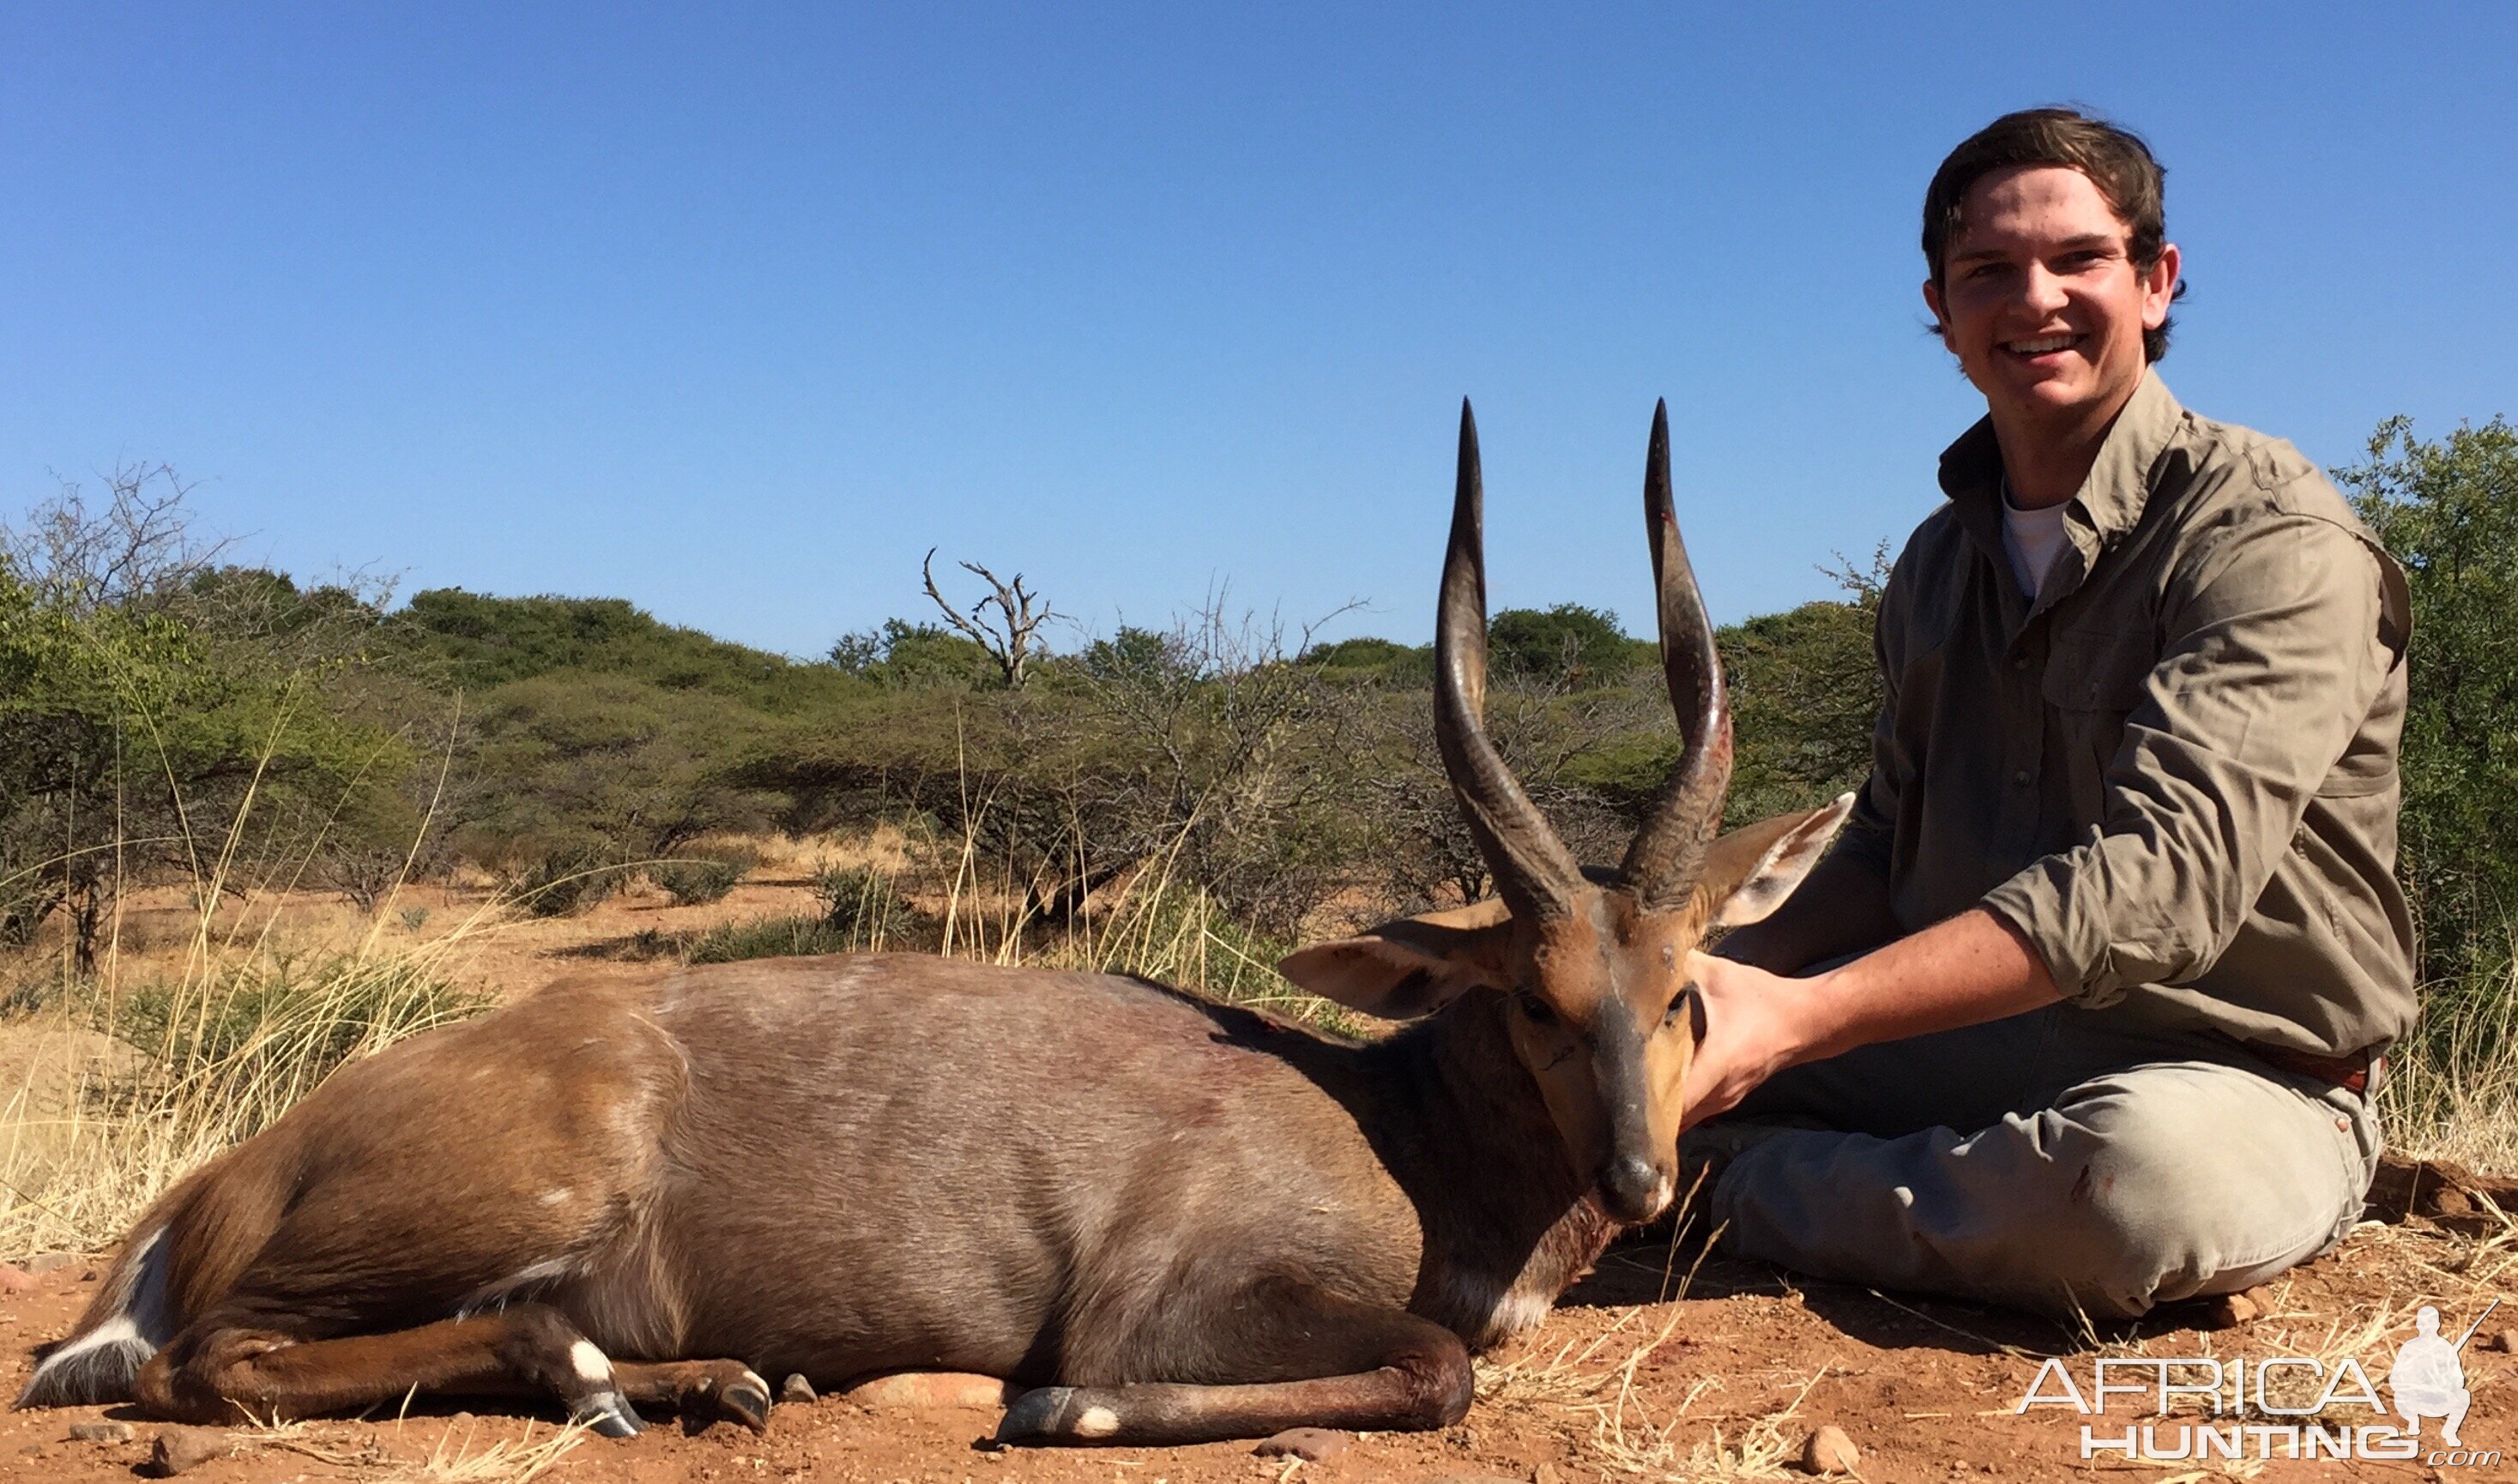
{"type": "Point", "coordinates": [1038, 1416]}
{"type": "Point", "coordinates": [609, 1414]}
{"type": "Point", "coordinates": [1059, 1415]}
{"type": "Point", "coordinates": [746, 1401]}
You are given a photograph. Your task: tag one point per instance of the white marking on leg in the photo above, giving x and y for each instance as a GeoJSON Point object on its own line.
{"type": "Point", "coordinates": [589, 1363]}
{"type": "Point", "coordinates": [1097, 1423]}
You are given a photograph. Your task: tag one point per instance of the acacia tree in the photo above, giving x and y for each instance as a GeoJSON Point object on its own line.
{"type": "Point", "coordinates": [150, 725]}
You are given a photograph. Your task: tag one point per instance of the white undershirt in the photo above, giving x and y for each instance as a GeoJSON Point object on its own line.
{"type": "Point", "coordinates": [2033, 539]}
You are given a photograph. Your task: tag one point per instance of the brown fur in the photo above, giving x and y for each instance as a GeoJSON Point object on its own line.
{"type": "Point", "coordinates": [853, 1165]}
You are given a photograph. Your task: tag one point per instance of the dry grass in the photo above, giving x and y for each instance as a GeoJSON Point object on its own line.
{"type": "Point", "coordinates": [2452, 1091]}
{"type": "Point", "coordinates": [195, 1064]}
{"type": "Point", "coordinates": [501, 1461]}
{"type": "Point", "coordinates": [1592, 1383]}
{"type": "Point", "coordinates": [1628, 1440]}
{"type": "Point", "coordinates": [459, 1455]}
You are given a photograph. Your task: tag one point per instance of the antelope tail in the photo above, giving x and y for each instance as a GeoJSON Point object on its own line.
{"type": "Point", "coordinates": [175, 1252]}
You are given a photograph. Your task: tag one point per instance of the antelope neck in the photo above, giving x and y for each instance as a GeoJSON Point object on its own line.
{"type": "Point", "coordinates": [1507, 1217]}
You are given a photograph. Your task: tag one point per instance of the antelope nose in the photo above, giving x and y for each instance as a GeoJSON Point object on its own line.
{"type": "Point", "coordinates": [1636, 1191]}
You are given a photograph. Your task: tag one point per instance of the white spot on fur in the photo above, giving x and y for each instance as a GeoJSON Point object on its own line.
{"type": "Point", "coordinates": [588, 1362]}
{"type": "Point", "coordinates": [554, 1198]}
{"type": "Point", "coordinates": [1497, 1315]}
{"type": "Point", "coordinates": [1521, 1312]}
{"type": "Point", "coordinates": [1097, 1423]}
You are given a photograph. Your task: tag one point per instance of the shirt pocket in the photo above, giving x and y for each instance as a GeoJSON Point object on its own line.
{"type": "Point", "coordinates": [2094, 679]}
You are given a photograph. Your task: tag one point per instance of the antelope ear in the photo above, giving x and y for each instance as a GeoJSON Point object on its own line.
{"type": "Point", "coordinates": [1749, 872]}
{"type": "Point", "coordinates": [1412, 966]}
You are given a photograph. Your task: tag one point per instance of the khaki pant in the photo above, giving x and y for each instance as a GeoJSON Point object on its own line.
{"type": "Point", "coordinates": [2049, 1161]}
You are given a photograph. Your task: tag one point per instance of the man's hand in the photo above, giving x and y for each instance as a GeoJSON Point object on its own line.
{"type": "Point", "coordinates": [1755, 1024]}
{"type": "Point", "coordinates": [1964, 971]}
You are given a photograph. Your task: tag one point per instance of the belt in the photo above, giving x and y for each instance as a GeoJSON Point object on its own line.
{"type": "Point", "coordinates": [2353, 1072]}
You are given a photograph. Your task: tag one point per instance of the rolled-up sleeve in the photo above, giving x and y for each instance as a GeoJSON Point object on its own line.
{"type": "Point", "coordinates": [2276, 639]}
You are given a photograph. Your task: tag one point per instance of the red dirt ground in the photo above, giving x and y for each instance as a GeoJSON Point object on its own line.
{"type": "Point", "coordinates": [1926, 1392]}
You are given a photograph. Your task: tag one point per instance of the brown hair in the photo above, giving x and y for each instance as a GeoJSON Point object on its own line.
{"type": "Point", "coordinates": [2115, 158]}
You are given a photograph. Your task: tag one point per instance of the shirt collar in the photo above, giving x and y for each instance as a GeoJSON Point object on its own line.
{"type": "Point", "coordinates": [2111, 500]}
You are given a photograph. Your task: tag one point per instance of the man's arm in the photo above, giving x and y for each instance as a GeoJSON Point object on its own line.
{"type": "Point", "coordinates": [2275, 653]}
{"type": "Point", "coordinates": [1968, 969]}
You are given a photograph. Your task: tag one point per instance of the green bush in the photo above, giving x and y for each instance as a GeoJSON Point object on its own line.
{"type": "Point", "coordinates": [864, 908]}
{"type": "Point", "coordinates": [1568, 644]}
{"type": "Point", "coordinates": [908, 656]}
{"type": "Point", "coordinates": [769, 938]}
{"type": "Point", "coordinates": [2448, 508]}
{"type": "Point", "coordinates": [702, 879]}
{"type": "Point", "coordinates": [565, 882]}
{"type": "Point", "coordinates": [298, 1017]}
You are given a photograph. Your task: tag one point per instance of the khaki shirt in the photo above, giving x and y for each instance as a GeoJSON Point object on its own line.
{"type": "Point", "coordinates": [2175, 772]}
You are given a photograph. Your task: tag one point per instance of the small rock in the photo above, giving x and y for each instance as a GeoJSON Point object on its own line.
{"type": "Point", "coordinates": [1829, 1451]}
{"type": "Point", "coordinates": [13, 1281]}
{"type": "Point", "coordinates": [1312, 1445]}
{"type": "Point", "coordinates": [2230, 1310]}
{"type": "Point", "coordinates": [2449, 1200]}
{"type": "Point", "coordinates": [1544, 1474]}
{"type": "Point", "coordinates": [796, 1391]}
{"type": "Point", "coordinates": [47, 1263]}
{"type": "Point", "coordinates": [930, 1388]}
{"type": "Point", "coordinates": [99, 1432]}
{"type": "Point", "coordinates": [2506, 1342]}
{"type": "Point", "coordinates": [177, 1449]}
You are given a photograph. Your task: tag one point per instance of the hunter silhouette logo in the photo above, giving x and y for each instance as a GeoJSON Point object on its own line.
{"type": "Point", "coordinates": [2428, 1377]}
{"type": "Point", "coordinates": [2264, 1407]}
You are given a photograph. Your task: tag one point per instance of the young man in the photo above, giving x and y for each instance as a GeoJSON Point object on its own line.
{"type": "Point", "coordinates": [2091, 996]}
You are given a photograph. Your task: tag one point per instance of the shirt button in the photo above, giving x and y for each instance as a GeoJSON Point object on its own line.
{"type": "Point", "coordinates": [2021, 663]}
{"type": "Point", "coordinates": [2020, 777]}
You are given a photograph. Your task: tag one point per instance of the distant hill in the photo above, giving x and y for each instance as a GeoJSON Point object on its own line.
{"type": "Point", "coordinates": [473, 642]}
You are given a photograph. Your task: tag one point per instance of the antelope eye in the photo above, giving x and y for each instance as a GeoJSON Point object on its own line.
{"type": "Point", "coordinates": [1541, 1013]}
{"type": "Point", "coordinates": [1679, 1005]}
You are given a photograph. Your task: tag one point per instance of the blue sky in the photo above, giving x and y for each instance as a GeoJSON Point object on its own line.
{"type": "Point", "coordinates": [735, 311]}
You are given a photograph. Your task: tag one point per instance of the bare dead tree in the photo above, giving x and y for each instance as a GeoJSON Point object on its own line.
{"type": "Point", "coordinates": [1005, 622]}
{"type": "Point", "coordinates": [135, 553]}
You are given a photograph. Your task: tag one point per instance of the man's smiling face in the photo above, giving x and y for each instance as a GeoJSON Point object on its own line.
{"type": "Point", "coordinates": [2040, 301]}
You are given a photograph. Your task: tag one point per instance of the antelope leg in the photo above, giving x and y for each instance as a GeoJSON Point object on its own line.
{"type": "Point", "coordinates": [721, 1388]}
{"type": "Point", "coordinates": [1309, 1359]}
{"type": "Point", "coordinates": [218, 1370]}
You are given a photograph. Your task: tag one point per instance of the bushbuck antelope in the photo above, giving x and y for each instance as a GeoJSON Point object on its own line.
{"type": "Point", "coordinates": [1176, 1221]}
